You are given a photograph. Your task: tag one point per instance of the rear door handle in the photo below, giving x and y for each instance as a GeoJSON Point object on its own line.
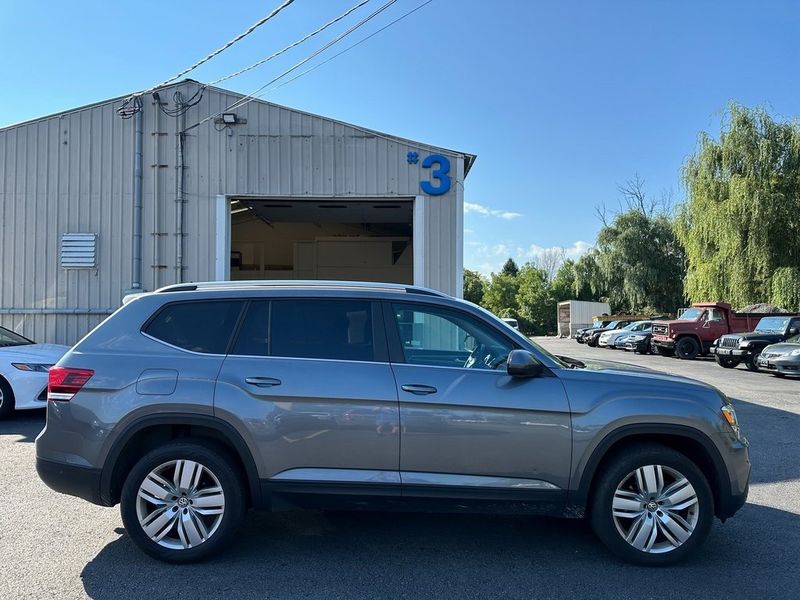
{"type": "Point", "coordinates": [263, 381]}
{"type": "Point", "coordinates": [418, 388]}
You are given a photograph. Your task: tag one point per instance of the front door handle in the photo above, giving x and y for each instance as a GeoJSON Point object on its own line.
{"type": "Point", "coordinates": [418, 389]}
{"type": "Point", "coordinates": [263, 381]}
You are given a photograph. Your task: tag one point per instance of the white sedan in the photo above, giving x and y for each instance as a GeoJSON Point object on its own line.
{"type": "Point", "coordinates": [23, 371]}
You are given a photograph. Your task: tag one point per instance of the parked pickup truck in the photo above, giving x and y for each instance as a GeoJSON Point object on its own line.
{"type": "Point", "coordinates": [698, 327]}
{"type": "Point", "coordinates": [734, 348]}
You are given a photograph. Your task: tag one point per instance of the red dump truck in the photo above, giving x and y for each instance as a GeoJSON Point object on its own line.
{"type": "Point", "coordinates": [695, 330]}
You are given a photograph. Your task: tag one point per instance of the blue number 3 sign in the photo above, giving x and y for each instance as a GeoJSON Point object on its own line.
{"type": "Point", "coordinates": [440, 173]}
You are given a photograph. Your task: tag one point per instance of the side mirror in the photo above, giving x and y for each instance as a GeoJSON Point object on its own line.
{"type": "Point", "coordinates": [794, 331]}
{"type": "Point", "coordinates": [522, 363]}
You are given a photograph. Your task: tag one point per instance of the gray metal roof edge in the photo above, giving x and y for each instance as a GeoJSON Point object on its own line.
{"type": "Point", "coordinates": [469, 159]}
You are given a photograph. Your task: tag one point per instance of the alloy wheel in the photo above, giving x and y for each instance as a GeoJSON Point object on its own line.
{"type": "Point", "coordinates": [180, 504]}
{"type": "Point", "coordinates": [655, 509]}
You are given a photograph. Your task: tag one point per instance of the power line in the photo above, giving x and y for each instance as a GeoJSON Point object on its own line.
{"type": "Point", "coordinates": [244, 100]}
{"type": "Point", "coordinates": [249, 30]}
{"type": "Point", "coordinates": [293, 44]}
{"type": "Point", "coordinates": [358, 43]}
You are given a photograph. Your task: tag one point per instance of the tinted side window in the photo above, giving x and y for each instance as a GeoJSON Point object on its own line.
{"type": "Point", "coordinates": [196, 326]}
{"type": "Point", "coordinates": [253, 338]}
{"type": "Point", "coordinates": [334, 329]}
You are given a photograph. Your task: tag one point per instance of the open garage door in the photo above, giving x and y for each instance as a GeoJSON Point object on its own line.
{"type": "Point", "coordinates": [353, 240]}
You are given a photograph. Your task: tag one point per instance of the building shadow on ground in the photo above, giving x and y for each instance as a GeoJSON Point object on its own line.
{"type": "Point", "coordinates": [369, 555]}
{"type": "Point", "coordinates": [24, 423]}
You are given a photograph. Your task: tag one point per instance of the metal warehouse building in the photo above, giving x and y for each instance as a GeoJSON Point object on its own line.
{"type": "Point", "coordinates": [93, 206]}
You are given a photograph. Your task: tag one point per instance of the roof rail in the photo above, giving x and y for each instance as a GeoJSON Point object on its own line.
{"type": "Point", "coordinates": [297, 283]}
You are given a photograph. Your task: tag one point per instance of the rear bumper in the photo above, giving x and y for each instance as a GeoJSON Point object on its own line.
{"type": "Point", "coordinates": [83, 482]}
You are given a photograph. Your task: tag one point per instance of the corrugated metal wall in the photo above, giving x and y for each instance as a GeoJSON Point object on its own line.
{"type": "Point", "coordinates": [73, 173]}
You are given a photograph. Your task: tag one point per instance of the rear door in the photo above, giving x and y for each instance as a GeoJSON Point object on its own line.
{"type": "Point", "coordinates": [469, 430]}
{"type": "Point", "coordinates": [309, 382]}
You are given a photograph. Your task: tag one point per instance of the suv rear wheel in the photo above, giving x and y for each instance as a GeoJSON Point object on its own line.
{"type": "Point", "coordinates": [181, 501]}
{"type": "Point", "coordinates": [652, 506]}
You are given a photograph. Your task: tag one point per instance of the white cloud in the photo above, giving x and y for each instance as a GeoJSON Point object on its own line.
{"type": "Point", "coordinates": [472, 207]}
{"type": "Point", "coordinates": [578, 249]}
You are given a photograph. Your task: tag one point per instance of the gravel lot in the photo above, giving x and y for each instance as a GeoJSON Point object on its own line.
{"type": "Point", "coordinates": [54, 546]}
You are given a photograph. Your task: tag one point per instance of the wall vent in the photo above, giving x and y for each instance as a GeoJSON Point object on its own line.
{"type": "Point", "coordinates": [79, 250]}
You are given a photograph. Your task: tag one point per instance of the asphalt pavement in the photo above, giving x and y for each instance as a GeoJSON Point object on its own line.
{"type": "Point", "coordinates": [55, 546]}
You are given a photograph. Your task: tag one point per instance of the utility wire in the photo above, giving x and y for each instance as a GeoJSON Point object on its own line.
{"type": "Point", "coordinates": [249, 30]}
{"type": "Point", "coordinates": [358, 43]}
{"type": "Point", "coordinates": [250, 97]}
{"type": "Point", "coordinates": [292, 45]}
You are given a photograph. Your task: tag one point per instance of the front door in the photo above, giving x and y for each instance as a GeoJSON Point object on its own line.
{"type": "Point", "coordinates": [468, 428]}
{"type": "Point", "coordinates": [310, 382]}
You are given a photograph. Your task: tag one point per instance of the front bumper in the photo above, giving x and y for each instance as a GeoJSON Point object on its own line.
{"type": "Point", "coordinates": [83, 482]}
{"type": "Point", "coordinates": [786, 366]}
{"type": "Point", "coordinates": [662, 341]}
{"type": "Point", "coordinates": [640, 346]}
{"type": "Point", "coordinates": [28, 387]}
{"type": "Point", "coordinates": [732, 352]}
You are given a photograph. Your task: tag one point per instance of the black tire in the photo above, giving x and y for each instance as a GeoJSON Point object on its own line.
{"type": "Point", "coordinates": [6, 399]}
{"type": "Point", "coordinates": [726, 362]}
{"type": "Point", "coordinates": [687, 348]}
{"type": "Point", "coordinates": [780, 375]}
{"type": "Point", "coordinates": [663, 351]}
{"type": "Point", "coordinates": [616, 470]}
{"type": "Point", "coordinates": [212, 457]}
{"type": "Point", "coordinates": [592, 341]}
{"type": "Point", "coordinates": [751, 361]}
{"type": "Point", "coordinates": [579, 340]}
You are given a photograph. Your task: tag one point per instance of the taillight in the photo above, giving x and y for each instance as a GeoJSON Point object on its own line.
{"type": "Point", "coordinates": [64, 382]}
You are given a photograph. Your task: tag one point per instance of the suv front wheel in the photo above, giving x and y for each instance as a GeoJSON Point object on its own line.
{"type": "Point", "coordinates": [652, 506]}
{"type": "Point", "coordinates": [181, 501]}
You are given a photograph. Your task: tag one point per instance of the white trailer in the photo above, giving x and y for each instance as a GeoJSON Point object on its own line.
{"type": "Point", "coordinates": [577, 314]}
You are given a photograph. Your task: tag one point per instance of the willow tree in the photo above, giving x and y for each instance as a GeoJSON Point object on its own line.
{"type": "Point", "coordinates": [740, 224]}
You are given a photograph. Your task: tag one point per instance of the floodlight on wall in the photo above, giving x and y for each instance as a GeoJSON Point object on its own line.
{"type": "Point", "coordinates": [228, 119]}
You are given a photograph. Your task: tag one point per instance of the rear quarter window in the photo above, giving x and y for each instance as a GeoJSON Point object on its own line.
{"type": "Point", "coordinates": [197, 326]}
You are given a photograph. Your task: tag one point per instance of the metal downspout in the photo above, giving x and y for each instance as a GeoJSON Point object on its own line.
{"type": "Point", "coordinates": [136, 251]}
{"type": "Point", "coordinates": [179, 165]}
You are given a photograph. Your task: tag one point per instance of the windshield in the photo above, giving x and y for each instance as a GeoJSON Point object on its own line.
{"type": "Point", "coordinates": [773, 324]}
{"type": "Point", "coordinates": [9, 338]}
{"type": "Point", "coordinates": [612, 325]}
{"type": "Point", "coordinates": [598, 323]}
{"type": "Point", "coordinates": [691, 314]}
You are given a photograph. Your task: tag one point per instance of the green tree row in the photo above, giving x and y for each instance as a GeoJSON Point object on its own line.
{"type": "Point", "coordinates": [735, 238]}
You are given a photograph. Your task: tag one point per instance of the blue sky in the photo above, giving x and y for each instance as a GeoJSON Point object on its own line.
{"type": "Point", "coordinates": [561, 101]}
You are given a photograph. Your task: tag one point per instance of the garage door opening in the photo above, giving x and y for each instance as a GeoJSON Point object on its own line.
{"type": "Point", "coordinates": [346, 240]}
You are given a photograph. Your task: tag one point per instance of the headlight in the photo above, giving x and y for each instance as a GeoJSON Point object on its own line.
{"type": "Point", "coordinates": [38, 367]}
{"type": "Point", "coordinates": [745, 344]}
{"type": "Point", "coordinates": [730, 416]}
{"type": "Point", "coordinates": [795, 352]}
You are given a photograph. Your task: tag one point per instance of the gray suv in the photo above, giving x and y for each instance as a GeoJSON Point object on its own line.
{"type": "Point", "coordinates": [191, 404]}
